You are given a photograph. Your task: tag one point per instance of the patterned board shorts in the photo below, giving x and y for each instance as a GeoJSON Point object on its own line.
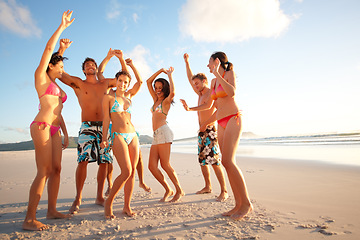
{"type": "Point", "coordinates": [90, 136]}
{"type": "Point", "coordinates": [208, 148]}
{"type": "Point", "coordinates": [163, 135]}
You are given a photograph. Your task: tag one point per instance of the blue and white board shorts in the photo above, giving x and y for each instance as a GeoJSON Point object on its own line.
{"type": "Point", "coordinates": [90, 136]}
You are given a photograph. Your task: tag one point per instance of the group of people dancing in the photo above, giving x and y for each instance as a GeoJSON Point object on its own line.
{"type": "Point", "coordinates": [107, 126]}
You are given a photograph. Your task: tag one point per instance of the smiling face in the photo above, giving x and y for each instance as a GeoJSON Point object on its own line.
{"type": "Point", "coordinates": [158, 87]}
{"type": "Point", "coordinates": [211, 64]}
{"type": "Point", "coordinates": [57, 69]}
{"type": "Point", "coordinates": [90, 68]}
{"type": "Point", "coordinates": [198, 84]}
{"type": "Point", "coordinates": [122, 83]}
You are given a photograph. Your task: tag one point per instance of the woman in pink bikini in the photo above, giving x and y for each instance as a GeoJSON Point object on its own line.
{"type": "Point", "coordinates": [228, 116]}
{"type": "Point", "coordinates": [45, 130]}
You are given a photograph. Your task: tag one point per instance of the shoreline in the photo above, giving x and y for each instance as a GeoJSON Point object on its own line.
{"type": "Point", "coordinates": [294, 199]}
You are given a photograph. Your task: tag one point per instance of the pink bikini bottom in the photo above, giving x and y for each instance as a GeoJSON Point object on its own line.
{"type": "Point", "coordinates": [53, 129]}
{"type": "Point", "coordinates": [224, 121]}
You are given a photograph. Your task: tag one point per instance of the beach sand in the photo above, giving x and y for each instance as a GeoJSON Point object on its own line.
{"type": "Point", "coordinates": [292, 200]}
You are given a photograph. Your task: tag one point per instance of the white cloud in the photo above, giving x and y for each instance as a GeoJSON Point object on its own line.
{"type": "Point", "coordinates": [17, 19]}
{"type": "Point", "coordinates": [19, 130]}
{"type": "Point", "coordinates": [113, 10]}
{"type": "Point", "coordinates": [140, 55]}
{"type": "Point", "coordinates": [135, 17]}
{"type": "Point", "coordinates": [232, 20]}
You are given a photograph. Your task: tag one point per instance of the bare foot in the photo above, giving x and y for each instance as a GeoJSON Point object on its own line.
{"type": "Point", "coordinates": [34, 225]}
{"type": "Point", "coordinates": [75, 207]}
{"type": "Point", "coordinates": [145, 187]}
{"type": "Point", "coordinates": [231, 212]}
{"type": "Point", "coordinates": [177, 196]}
{"type": "Point", "coordinates": [128, 212]}
{"type": "Point", "coordinates": [166, 195]}
{"type": "Point", "coordinates": [204, 190]}
{"type": "Point", "coordinates": [111, 217]}
{"type": "Point", "coordinates": [108, 212]}
{"type": "Point", "coordinates": [242, 212]}
{"type": "Point", "coordinates": [222, 197]}
{"type": "Point", "coordinates": [100, 202]}
{"type": "Point", "coordinates": [107, 192]}
{"type": "Point", "coordinates": [57, 215]}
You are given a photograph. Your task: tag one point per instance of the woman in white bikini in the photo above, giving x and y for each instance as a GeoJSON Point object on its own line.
{"type": "Point", "coordinates": [163, 95]}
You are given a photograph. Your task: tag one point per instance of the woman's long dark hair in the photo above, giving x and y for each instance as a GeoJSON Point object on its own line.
{"type": "Point", "coordinates": [55, 58]}
{"type": "Point", "coordinates": [166, 87]}
{"type": "Point", "coordinates": [223, 60]}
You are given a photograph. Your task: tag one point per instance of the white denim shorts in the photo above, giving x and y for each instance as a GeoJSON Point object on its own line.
{"type": "Point", "coordinates": [163, 135]}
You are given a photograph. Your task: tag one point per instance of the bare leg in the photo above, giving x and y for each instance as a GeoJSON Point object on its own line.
{"type": "Point", "coordinates": [110, 170]}
{"type": "Point", "coordinates": [54, 179]}
{"type": "Point", "coordinates": [121, 153]}
{"type": "Point", "coordinates": [229, 140]}
{"type": "Point", "coordinates": [42, 143]}
{"type": "Point", "coordinates": [140, 171]}
{"type": "Point", "coordinates": [206, 174]}
{"type": "Point", "coordinates": [129, 185]}
{"type": "Point", "coordinates": [80, 176]}
{"type": "Point", "coordinates": [153, 167]}
{"type": "Point", "coordinates": [101, 177]}
{"type": "Point", "coordinates": [221, 178]}
{"type": "Point", "coordinates": [164, 153]}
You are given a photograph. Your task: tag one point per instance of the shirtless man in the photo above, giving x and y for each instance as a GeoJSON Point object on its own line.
{"type": "Point", "coordinates": [208, 138]}
{"type": "Point", "coordinates": [90, 93]}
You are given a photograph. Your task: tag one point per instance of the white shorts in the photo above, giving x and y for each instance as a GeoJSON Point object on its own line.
{"type": "Point", "coordinates": [163, 135]}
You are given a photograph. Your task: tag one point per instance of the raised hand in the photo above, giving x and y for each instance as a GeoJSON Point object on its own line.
{"type": "Point", "coordinates": [216, 66]}
{"type": "Point", "coordinates": [186, 57]}
{"type": "Point", "coordinates": [169, 71]}
{"type": "Point", "coordinates": [110, 53]}
{"type": "Point", "coordinates": [66, 19]}
{"type": "Point", "coordinates": [118, 53]}
{"type": "Point", "coordinates": [65, 43]}
{"type": "Point", "coordinates": [129, 62]}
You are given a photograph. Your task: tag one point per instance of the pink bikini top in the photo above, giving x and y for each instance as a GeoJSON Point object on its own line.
{"type": "Point", "coordinates": [54, 90]}
{"type": "Point", "coordinates": [219, 92]}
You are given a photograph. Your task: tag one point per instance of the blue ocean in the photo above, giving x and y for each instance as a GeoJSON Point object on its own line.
{"type": "Point", "coordinates": [336, 148]}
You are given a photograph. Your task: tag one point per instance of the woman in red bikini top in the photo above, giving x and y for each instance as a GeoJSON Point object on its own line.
{"type": "Point", "coordinates": [228, 117]}
{"type": "Point", "coordinates": [45, 130]}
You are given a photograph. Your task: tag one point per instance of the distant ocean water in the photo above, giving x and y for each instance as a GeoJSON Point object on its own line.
{"type": "Point", "coordinates": [331, 148]}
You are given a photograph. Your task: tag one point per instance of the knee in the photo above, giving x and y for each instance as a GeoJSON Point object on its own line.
{"type": "Point", "coordinates": [227, 164]}
{"type": "Point", "coordinates": [126, 173]}
{"type": "Point", "coordinates": [44, 172]}
{"type": "Point", "coordinates": [167, 167]}
{"type": "Point", "coordinates": [152, 167]}
{"type": "Point", "coordinates": [56, 170]}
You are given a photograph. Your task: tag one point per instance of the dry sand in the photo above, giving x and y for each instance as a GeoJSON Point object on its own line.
{"type": "Point", "coordinates": [292, 200]}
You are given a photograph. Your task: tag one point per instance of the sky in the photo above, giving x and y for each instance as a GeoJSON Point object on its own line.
{"type": "Point", "coordinates": [297, 62]}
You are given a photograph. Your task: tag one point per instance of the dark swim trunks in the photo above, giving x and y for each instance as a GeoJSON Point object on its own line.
{"type": "Point", "coordinates": [208, 148]}
{"type": "Point", "coordinates": [90, 136]}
